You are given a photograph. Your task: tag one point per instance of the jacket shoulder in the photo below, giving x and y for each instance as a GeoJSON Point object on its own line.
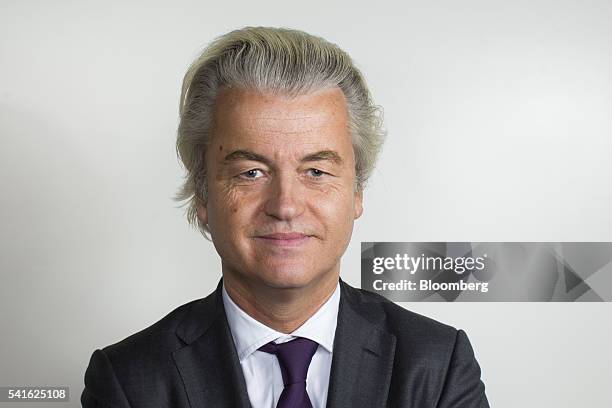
{"type": "Point", "coordinates": [156, 340]}
{"type": "Point", "coordinates": [411, 329]}
{"type": "Point", "coordinates": [119, 372]}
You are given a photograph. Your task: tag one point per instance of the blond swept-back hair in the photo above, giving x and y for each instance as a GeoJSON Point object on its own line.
{"type": "Point", "coordinates": [277, 60]}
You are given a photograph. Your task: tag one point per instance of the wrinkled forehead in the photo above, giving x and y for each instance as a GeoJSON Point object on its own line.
{"type": "Point", "coordinates": [243, 115]}
{"type": "Point", "coordinates": [250, 101]}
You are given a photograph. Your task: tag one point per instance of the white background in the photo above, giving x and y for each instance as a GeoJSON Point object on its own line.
{"type": "Point", "coordinates": [499, 117]}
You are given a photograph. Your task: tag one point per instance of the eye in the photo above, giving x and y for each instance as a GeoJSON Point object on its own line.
{"type": "Point", "coordinates": [252, 174]}
{"type": "Point", "coordinates": [316, 173]}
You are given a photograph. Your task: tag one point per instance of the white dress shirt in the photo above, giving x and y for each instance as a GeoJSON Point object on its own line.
{"type": "Point", "coordinates": [261, 370]}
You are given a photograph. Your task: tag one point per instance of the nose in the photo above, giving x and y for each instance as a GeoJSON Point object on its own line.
{"type": "Point", "coordinates": [285, 199]}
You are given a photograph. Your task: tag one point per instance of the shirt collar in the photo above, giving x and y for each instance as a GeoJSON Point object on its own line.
{"type": "Point", "coordinates": [250, 334]}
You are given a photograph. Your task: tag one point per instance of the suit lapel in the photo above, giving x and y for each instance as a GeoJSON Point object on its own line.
{"type": "Point", "coordinates": [209, 364]}
{"type": "Point", "coordinates": [362, 358]}
{"type": "Point", "coordinates": [361, 364]}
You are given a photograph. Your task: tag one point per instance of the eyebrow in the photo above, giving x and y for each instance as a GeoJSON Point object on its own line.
{"type": "Point", "coordinates": [323, 155]}
{"type": "Point", "coordinates": [238, 155]}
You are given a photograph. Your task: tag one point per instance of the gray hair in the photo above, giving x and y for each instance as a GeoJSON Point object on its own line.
{"type": "Point", "coordinates": [277, 60]}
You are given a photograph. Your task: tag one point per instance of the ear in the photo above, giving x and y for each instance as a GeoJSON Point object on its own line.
{"type": "Point", "coordinates": [202, 211]}
{"type": "Point", "coordinates": [358, 204]}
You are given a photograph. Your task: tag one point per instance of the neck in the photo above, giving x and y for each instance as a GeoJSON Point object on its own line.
{"type": "Point", "coordinates": [282, 309]}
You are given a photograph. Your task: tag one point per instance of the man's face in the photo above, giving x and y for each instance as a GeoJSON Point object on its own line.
{"type": "Point", "coordinates": [281, 186]}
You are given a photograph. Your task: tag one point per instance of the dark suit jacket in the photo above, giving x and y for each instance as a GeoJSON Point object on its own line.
{"type": "Point", "coordinates": [384, 356]}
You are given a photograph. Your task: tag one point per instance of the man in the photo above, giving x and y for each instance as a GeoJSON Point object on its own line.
{"type": "Point", "coordinates": [278, 135]}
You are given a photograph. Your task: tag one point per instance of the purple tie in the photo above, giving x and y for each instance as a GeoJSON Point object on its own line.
{"type": "Point", "coordinates": [294, 358]}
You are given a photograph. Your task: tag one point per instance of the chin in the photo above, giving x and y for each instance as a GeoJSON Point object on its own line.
{"type": "Point", "coordinates": [287, 278]}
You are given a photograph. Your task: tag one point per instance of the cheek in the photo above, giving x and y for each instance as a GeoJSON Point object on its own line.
{"type": "Point", "coordinates": [232, 208]}
{"type": "Point", "coordinates": [222, 208]}
{"type": "Point", "coordinates": [337, 210]}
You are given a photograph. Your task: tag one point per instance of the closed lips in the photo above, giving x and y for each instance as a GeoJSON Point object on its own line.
{"type": "Point", "coordinates": [284, 236]}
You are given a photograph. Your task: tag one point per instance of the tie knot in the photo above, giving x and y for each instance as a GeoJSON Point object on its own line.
{"type": "Point", "coordinates": [293, 357]}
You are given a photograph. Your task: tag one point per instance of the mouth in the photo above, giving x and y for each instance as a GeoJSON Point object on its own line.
{"type": "Point", "coordinates": [284, 239]}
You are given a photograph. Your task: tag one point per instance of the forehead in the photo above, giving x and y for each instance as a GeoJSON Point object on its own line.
{"type": "Point", "coordinates": [252, 116]}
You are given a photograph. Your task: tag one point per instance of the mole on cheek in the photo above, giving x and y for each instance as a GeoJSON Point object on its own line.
{"type": "Point", "coordinates": [220, 147]}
